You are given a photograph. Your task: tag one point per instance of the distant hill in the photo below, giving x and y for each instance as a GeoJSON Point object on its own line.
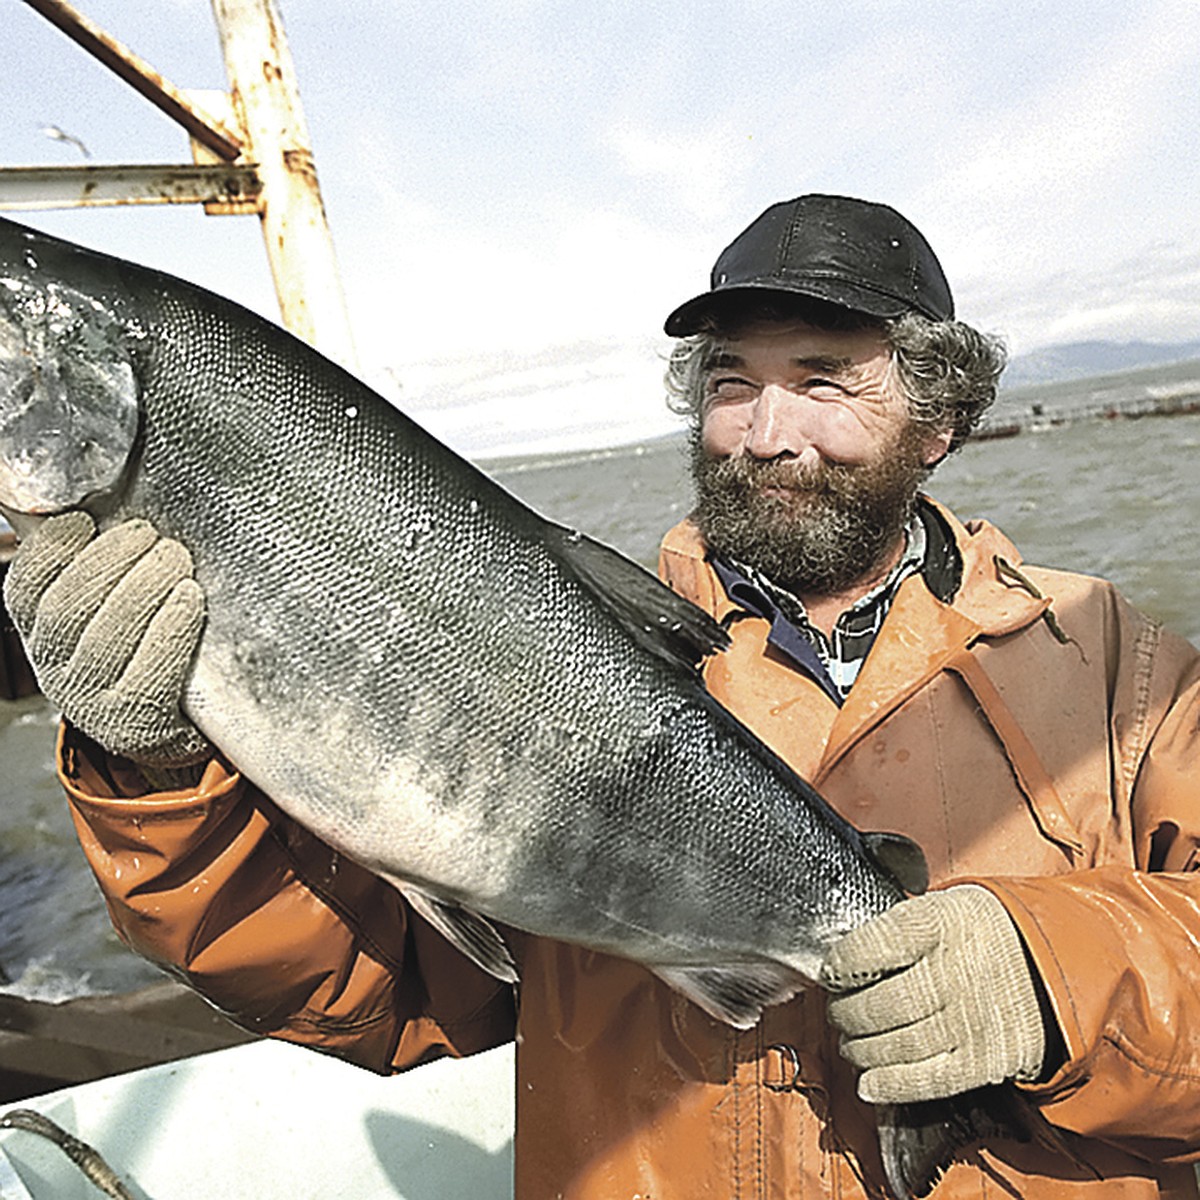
{"type": "Point", "coordinates": [1079, 360]}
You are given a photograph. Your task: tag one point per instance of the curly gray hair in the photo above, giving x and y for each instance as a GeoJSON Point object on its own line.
{"type": "Point", "coordinates": [948, 371]}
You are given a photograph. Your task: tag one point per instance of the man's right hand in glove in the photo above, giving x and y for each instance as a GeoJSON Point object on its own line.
{"type": "Point", "coordinates": [110, 625]}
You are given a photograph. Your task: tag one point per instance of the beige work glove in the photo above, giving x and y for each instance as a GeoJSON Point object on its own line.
{"type": "Point", "coordinates": [110, 625]}
{"type": "Point", "coordinates": [935, 997]}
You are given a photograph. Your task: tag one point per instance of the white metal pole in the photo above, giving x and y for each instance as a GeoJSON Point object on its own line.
{"type": "Point", "coordinates": [262, 79]}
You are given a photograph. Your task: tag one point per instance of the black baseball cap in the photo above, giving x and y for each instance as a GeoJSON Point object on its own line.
{"type": "Point", "coordinates": [853, 253]}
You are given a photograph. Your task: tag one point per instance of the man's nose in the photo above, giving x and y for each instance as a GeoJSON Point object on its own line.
{"type": "Point", "coordinates": [774, 429]}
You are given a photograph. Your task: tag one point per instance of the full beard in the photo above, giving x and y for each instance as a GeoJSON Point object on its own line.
{"type": "Point", "coordinates": [811, 529]}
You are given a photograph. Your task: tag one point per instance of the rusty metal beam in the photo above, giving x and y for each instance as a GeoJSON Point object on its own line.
{"type": "Point", "coordinates": [266, 96]}
{"type": "Point", "coordinates": [142, 77]}
{"type": "Point", "coordinates": [27, 188]}
{"type": "Point", "coordinates": [279, 184]}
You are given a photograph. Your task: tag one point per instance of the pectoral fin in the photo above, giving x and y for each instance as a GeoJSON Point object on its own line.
{"type": "Point", "coordinates": [736, 995]}
{"type": "Point", "coordinates": [474, 935]}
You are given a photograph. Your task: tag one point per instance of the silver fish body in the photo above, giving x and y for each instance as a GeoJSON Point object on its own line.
{"type": "Point", "coordinates": [499, 715]}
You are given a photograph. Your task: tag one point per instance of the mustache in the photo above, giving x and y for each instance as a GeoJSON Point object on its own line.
{"type": "Point", "coordinates": [746, 474]}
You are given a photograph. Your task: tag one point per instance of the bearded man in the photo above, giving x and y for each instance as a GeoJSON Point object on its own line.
{"type": "Point", "coordinates": [1037, 736]}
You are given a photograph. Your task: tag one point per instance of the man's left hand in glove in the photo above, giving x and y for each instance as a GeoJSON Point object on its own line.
{"type": "Point", "coordinates": [934, 997]}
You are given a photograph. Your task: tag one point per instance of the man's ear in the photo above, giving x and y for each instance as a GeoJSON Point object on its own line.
{"type": "Point", "coordinates": [937, 446]}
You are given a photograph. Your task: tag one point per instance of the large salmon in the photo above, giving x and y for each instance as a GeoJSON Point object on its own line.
{"type": "Point", "coordinates": [498, 714]}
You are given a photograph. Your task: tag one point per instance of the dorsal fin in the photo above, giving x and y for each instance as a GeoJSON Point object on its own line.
{"type": "Point", "coordinates": [666, 624]}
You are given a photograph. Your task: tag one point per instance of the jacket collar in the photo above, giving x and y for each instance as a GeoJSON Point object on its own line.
{"type": "Point", "coordinates": [987, 595]}
{"type": "Point", "coordinates": [922, 633]}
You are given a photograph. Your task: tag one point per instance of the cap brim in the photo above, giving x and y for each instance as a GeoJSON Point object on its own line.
{"type": "Point", "coordinates": [698, 312]}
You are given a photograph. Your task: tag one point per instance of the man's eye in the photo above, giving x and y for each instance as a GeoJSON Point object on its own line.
{"type": "Point", "coordinates": [726, 386]}
{"type": "Point", "coordinates": [819, 383]}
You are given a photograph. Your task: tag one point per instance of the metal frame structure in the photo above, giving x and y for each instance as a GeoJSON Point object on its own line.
{"type": "Point", "coordinates": [251, 155]}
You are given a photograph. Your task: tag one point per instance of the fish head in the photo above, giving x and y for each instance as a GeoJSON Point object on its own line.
{"type": "Point", "coordinates": [69, 407]}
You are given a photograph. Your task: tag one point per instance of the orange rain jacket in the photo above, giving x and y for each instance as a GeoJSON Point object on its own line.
{"type": "Point", "coordinates": [1036, 734]}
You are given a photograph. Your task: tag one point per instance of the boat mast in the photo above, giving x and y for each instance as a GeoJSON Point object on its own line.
{"type": "Point", "coordinates": [251, 155]}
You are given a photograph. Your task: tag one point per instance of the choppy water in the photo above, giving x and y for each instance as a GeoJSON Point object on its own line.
{"type": "Point", "coordinates": [1117, 498]}
{"type": "Point", "coordinates": [1120, 499]}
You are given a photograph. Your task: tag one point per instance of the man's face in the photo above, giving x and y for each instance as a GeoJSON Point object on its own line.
{"type": "Point", "coordinates": [806, 461]}
{"type": "Point", "coordinates": [811, 395]}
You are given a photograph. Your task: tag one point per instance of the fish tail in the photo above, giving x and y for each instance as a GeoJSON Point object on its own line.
{"type": "Point", "coordinates": [919, 1141]}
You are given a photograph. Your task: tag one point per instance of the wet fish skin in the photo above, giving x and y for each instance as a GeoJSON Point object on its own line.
{"type": "Point", "coordinates": [499, 715]}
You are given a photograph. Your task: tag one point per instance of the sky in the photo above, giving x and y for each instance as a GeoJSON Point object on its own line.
{"type": "Point", "coordinates": [520, 190]}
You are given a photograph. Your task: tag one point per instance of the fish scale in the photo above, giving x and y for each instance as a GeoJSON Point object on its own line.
{"type": "Point", "coordinates": [501, 716]}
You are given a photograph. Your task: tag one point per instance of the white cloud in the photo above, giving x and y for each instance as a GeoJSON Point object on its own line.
{"type": "Point", "coordinates": [437, 286]}
{"type": "Point", "coordinates": [1058, 182]}
{"type": "Point", "coordinates": [698, 169]}
{"type": "Point", "coordinates": [564, 398]}
{"type": "Point", "coordinates": [1150, 296]}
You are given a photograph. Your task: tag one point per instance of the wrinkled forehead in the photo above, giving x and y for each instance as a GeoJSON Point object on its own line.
{"type": "Point", "coordinates": [778, 343]}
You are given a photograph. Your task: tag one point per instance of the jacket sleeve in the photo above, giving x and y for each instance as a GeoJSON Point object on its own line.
{"type": "Point", "coordinates": [219, 887]}
{"type": "Point", "coordinates": [1119, 952]}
